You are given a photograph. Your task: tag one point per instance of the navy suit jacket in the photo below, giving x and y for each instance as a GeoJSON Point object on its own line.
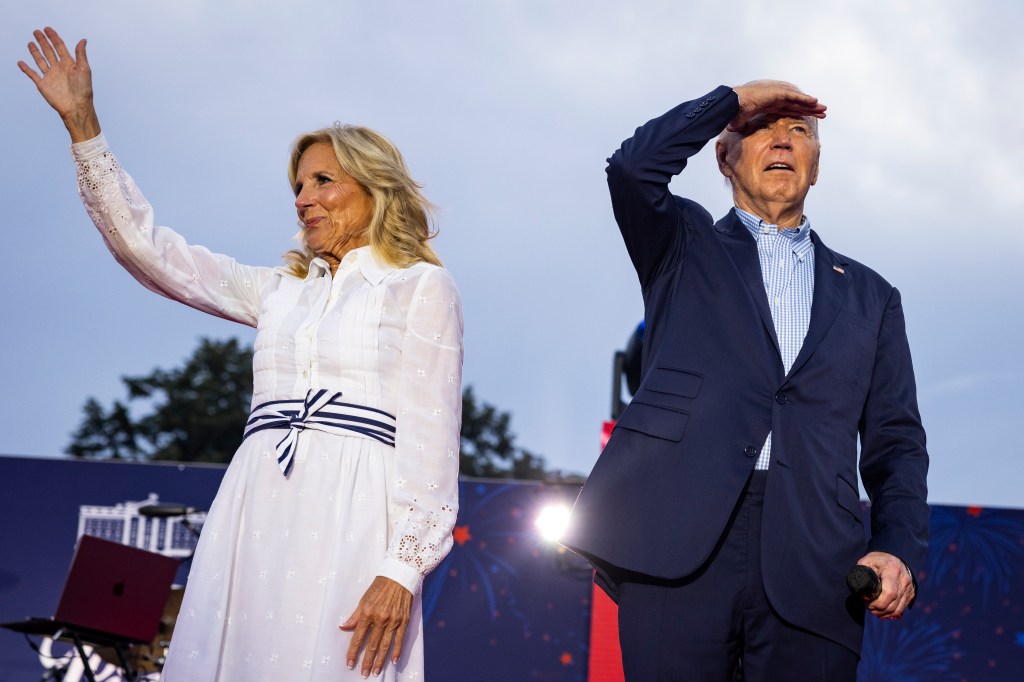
{"type": "Point", "coordinates": [713, 386]}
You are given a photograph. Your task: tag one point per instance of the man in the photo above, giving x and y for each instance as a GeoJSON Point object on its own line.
{"type": "Point", "coordinates": [723, 514]}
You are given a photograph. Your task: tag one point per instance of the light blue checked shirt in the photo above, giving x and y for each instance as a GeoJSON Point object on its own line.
{"type": "Point", "coordinates": [787, 268]}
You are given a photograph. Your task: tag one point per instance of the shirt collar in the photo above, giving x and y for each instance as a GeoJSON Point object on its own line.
{"type": "Point", "coordinates": [800, 236]}
{"type": "Point", "coordinates": [373, 268]}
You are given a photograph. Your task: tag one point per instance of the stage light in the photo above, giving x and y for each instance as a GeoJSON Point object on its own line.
{"type": "Point", "coordinates": [552, 521]}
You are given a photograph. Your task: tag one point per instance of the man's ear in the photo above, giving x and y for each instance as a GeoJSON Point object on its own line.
{"type": "Point", "coordinates": [721, 152]}
{"type": "Point", "coordinates": [814, 177]}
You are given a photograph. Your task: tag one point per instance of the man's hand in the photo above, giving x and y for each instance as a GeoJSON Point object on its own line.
{"type": "Point", "coordinates": [380, 619]}
{"type": "Point", "coordinates": [897, 585]}
{"type": "Point", "coordinates": [776, 98]}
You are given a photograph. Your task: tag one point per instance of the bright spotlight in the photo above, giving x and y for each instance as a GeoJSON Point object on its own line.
{"type": "Point", "coordinates": [552, 521]}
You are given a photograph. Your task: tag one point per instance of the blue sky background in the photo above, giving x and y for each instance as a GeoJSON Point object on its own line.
{"type": "Point", "coordinates": [506, 111]}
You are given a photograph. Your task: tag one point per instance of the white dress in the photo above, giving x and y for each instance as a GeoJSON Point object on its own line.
{"type": "Point", "coordinates": [284, 560]}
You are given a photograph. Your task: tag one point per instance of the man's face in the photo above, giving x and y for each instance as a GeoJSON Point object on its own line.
{"type": "Point", "coordinates": [772, 161]}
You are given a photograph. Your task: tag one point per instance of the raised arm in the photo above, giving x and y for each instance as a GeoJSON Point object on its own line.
{"type": "Point", "coordinates": [157, 257]}
{"type": "Point", "coordinates": [65, 82]}
{"type": "Point", "coordinates": [652, 221]}
{"type": "Point", "coordinates": [650, 218]}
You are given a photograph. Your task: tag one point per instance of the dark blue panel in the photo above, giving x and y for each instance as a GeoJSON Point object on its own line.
{"type": "Point", "coordinates": [39, 507]}
{"type": "Point", "coordinates": [968, 622]}
{"type": "Point", "coordinates": [505, 606]}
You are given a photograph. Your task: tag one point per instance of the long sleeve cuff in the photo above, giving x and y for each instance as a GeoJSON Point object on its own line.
{"type": "Point", "coordinates": [402, 573]}
{"type": "Point", "coordinates": [81, 151]}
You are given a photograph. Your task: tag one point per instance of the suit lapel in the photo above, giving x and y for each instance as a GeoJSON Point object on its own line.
{"type": "Point", "coordinates": [831, 282]}
{"type": "Point", "coordinates": [742, 249]}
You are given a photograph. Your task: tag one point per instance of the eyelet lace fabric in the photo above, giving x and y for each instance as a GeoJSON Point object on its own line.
{"type": "Point", "coordinates": [283, 561]}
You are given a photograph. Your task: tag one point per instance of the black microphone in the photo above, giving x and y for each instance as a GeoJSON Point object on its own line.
{"type": "Point", "coordinates": [864, 583]}
{"type": "Point", "coordinates": [165, 509]}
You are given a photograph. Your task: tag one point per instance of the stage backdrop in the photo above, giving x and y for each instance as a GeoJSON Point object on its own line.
{"type": "Point", "coordinates": [504, 605]}
{"type": "Point", "coordinates": [966, 626]}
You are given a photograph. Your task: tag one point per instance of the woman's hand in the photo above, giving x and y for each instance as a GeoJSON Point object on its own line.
{"type": "Point", "coordinates": [380, 620]}
{"type": "Point", "coordinates": [65, 83]}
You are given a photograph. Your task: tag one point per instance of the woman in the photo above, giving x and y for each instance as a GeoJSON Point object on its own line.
{"type": "Point", "coordinates": [343, 493]}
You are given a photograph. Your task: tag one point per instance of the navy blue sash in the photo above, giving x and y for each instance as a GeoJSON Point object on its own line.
{"type": "Point", "coordinates": [322, 410]}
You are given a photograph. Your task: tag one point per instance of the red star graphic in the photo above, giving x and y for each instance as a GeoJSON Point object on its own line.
{"type": "Point", "coordinates": [461, 535]}
{"type": "Point", "coordinates": [565, 658]}
{"type": "Point", "coordinates": [974, 511]}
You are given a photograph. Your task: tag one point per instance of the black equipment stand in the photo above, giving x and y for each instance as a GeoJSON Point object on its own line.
{"type": "Point", "coordinates": [47, 627]}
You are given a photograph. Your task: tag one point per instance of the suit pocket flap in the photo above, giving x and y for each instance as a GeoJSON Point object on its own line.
{"type": "Point", "coordinates": [675, 381]}
{"type": "Point", "coordinates": [848, 498]}
{"type": "Point", "coordinates": [660, 422]}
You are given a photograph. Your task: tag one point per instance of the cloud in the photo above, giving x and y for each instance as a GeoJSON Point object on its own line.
{"type": "Point", "coordinates": [507, 111]}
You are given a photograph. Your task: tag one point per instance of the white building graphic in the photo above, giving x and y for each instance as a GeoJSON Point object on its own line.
{"type": "Point", "coordinates": [167, 535]}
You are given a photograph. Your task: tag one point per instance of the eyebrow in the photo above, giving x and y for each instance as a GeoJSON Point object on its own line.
{"type": "Point", "coordinates": [755, 121]}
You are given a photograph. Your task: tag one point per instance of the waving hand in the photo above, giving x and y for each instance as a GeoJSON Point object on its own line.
{"type": "Point", "coordinates": [65, 82]}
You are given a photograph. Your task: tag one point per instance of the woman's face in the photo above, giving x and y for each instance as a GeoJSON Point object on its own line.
{"type": "Point", "coordinates": [332, 207]}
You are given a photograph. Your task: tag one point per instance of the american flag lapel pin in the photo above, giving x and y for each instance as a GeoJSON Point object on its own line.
{"type": "Point", "coordinates": [839, 269]}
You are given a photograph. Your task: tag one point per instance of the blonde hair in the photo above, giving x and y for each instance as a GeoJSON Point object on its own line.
{"type": "Point", "coordinates": [401, 223]}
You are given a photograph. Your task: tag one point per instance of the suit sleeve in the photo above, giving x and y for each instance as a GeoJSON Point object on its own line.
{"type": "Point", "coordinates": [639, 172]}
{"type": "Point", "coordinates": [894, 460]}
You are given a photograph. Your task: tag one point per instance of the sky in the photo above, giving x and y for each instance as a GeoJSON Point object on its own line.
{"type": "Point", "coordinates": [506, 112]}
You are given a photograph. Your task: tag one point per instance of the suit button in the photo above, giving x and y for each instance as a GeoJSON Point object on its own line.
{"type": "Point", "coordinates": [781, 398]}
{"type": "Point", "coordinates": [750, 451]}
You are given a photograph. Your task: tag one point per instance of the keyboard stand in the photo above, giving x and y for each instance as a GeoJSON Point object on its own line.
{"type": "Point", "coordinates": [47, 627]}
